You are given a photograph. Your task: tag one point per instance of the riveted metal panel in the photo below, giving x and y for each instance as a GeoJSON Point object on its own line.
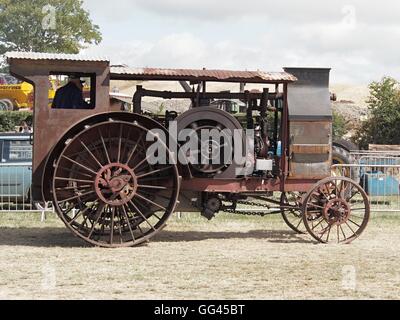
{"type": "Point", "coordinates": [310, 149]}
{"type": "Point", "coordinates": [51, 124]}
{"type": "Point", "coordinates": [309, 97]}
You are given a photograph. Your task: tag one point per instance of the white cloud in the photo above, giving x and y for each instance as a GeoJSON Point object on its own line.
{"type": "Point", "coordinates": [283, 10]}
{"type": "Point", "coordinates": [181, 49]}
{"type": "Point", "coordinates": [357, 38]}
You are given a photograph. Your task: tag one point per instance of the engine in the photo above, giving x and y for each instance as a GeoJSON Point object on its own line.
{"type": "Point", "coordinates": [236, 145]}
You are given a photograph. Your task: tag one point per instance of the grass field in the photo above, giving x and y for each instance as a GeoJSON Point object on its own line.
{"type": "Point", "coordinates": [231, 257]}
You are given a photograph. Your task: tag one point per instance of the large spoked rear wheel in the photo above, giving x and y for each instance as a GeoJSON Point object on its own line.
{"type": "Point", "coordinates": [105, 190]}
{"type": "Point", "coordinates": [291, 204]}
{"type": "Point", "coordinates": [336, 210]}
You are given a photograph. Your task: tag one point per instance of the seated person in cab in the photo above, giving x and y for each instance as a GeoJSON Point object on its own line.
{"type": "Point", "coordinates": [70, 96]}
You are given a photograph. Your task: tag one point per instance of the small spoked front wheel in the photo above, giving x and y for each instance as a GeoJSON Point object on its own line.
{"type": "Point", "coordinates": [336, 210]}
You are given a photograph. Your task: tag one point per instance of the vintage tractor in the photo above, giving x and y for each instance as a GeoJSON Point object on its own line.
{"type": "Point", "coordinates": [96, 164]}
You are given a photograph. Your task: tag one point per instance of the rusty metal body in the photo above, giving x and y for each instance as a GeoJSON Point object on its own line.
{"type": "Point", "coordinates": [52, 124]}
{"type": "Point", "coordinates": [69, 144]}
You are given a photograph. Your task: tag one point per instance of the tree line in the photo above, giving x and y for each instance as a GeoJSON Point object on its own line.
{"type": "Point", "coordinates": [54, 26]}
{"type": "Point", "coordinates": [383, 123]}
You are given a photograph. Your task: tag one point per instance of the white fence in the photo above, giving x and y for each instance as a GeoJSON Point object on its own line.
{"type": "Point", "coordinates": [15, 189]}
{"type": "Point", "coordinates": [379, 174]}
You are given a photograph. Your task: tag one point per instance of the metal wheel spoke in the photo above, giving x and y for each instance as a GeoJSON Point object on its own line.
{"type": "Point", "coordinates": [80, 212]}
{"type": "Point", "coordinates": [152, 187]}
{"type": "Point", "coordinates": [79, 165]}
{"type": "Point", "coordinates": [298, 225]}
{"type": "Point", "coordinates": [354, 223]}
{"type": "Point", "coordinates": [324, 231]}
{"type": "Point", "coordinates": [329, 233]}
{"type": "Point", "coordinates": [98, 148]}
{"type": "Point", "coordinates": [74, 172]}
{"type": "Point", "coordinates": [314, 211]}
{"type": "Point", "coordinates": [341, 188]}
{"type": "Point", "coordinates": [77, 197]}
{"type": "Point", "coordinates": [99, 213]}
{"type": "Point", "coordinates": [358, 209]}
{"type": "Point", "coordinates": [315, 226]}
{"type": "Point", "coordinates": [344, 235]}
{"type": "Point", "coordinates": [127, 140]}
{"type": "Point", "coordinates": [154, 172]}
{"type": "Point", "coordinates": [324, 194]}
{"type": "Point", "coordinates": [314, 205]}
{"type": "Point", "coordinates": [338, 234]}
{"type": "Point", "coordinates": [120, 143]}
{"type": "Point", "coordinates": [85, 219]}
{"type": "Point", "coordinates": [352, 195]}
{"type": "Point", "coordinates": [77, 188]}
{"type": "Point", "coordinates": [317, 197]}
{"type": "Point", "coordinates": [72, 179]}
{"type": "Point", "coordinates": [141, 204]}
{"type": "Point", "coordinates": [134, 149]}
{"type": "Point", "coordinates": [142, 215]}
{"type": "Point", "coordinates": [104, 146]}
{"type": "Point", "coordinates": [90, 153]}
{"type": "Point", "coordinates": [151, 202]}
{"type": "Point", "coordinates": [121, 237]}
{"type": "Point", "coordinates": [141, 163]}
{"type": "Point", "coordinates": [354, 215]}
{"type": "Point", "coordinates": [128, 223]}
{"type": "Point", "coordinates": [350, 227]}
{"type": "Point", "coordinates": [69, 210]}
{"type": "Point", "coordinates": [335, 187]}
{"type": "Point", "coordinates": [112, 225]}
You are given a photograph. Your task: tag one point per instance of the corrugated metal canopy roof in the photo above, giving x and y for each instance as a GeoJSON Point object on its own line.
{"type": "Point", "coordinates": [126, 73]}
{"type": "Point", "coordinates": [54, 56]}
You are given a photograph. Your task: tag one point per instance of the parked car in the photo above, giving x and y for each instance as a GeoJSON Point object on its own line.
{"type": "Point", "coordinates": [15, 167]}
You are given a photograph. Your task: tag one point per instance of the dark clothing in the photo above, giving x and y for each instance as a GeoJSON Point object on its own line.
{"type": "Point", "coordinates": [69, 97]}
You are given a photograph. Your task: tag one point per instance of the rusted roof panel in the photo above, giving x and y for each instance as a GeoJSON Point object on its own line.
{"type": "Point", "coordinates": [54, 56]}
{"type": "Point", "coordinates": [127, 73]}
{"type": "Point", "coordinates": [121, 72]}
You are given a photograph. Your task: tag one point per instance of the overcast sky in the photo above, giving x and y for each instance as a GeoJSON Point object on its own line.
{"type": "Point", "coordinates": [358, 39]}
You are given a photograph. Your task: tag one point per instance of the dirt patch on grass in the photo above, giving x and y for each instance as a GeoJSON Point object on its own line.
{"type": "Point", "coordinates": [228, 258]}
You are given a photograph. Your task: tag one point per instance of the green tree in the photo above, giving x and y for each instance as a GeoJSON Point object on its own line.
{"type": "Point", "coordinates": [383, 123]}
{"type": "Point", "coordinates": [56, 26]}
{"type": "Point", "coordinates": [9, 120]}
{"type": "Point", "coordinates": [340, 126]}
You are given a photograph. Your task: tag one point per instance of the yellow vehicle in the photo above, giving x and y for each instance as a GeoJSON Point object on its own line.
{"type": "Point", "coordinates": [15, 94]}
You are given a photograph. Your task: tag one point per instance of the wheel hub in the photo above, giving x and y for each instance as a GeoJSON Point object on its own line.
{"type": "Point", "coordinates": [116, 184]}
{"type": "Point", "coordinates": [210, 150]}
{"type": "Point", "coordinates": [337, 212]}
